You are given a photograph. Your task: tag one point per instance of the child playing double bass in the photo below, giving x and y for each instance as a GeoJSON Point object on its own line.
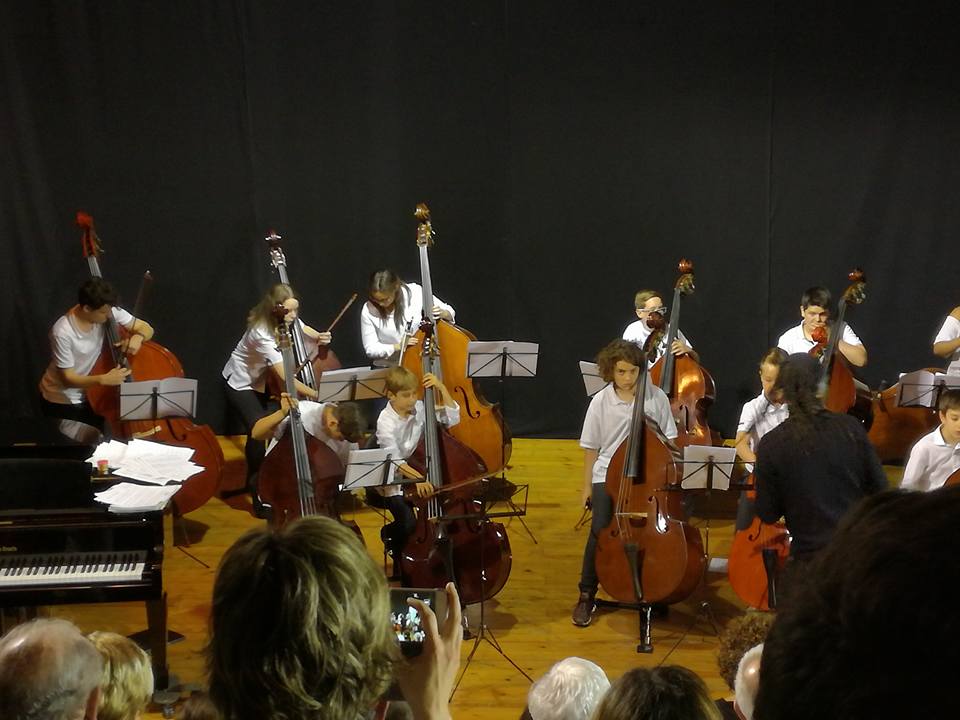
{"type": "Point", "coordinates": [815, 308]}
{"type": "Point", "coordinates": [936, 456]}
{"type": "Point", "coordinates": [399, 429]}
{"type": "Point", "coordinates": [338, 425]}
{"type": "Point", "coordinates": [646, 303]}
{"type": "Point", "coordinates": [605, 427]}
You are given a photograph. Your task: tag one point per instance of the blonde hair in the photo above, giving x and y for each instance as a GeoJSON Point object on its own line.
{"type": "Point", "coordinates": [642, 296]}
{"type": "Point", "coordinates": [670, 691]}
{"type": "Point", "coordinates": [399, 378]}
{"type": "Point", "coordinates": [127, 679]}
{"type": "Point", "coordinates": [263, 312]}
{"type": "Point", "coordinates": [299, 625]}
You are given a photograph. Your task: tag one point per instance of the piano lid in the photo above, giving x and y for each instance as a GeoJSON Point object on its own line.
{"type": "Point", "coordinates": [42, 437]}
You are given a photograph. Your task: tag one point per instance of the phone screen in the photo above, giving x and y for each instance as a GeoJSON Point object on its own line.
{"type": "Point", "coordinates": [406, 621]}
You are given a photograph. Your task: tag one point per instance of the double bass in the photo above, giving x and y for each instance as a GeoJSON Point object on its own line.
{"type": "Point", "coordinates": [481, 426]}
{"type": "Point", "coordinates": [307, 368]}
{"type": "Point", "coordinates": [647, 554]}
{"type": "Point", "coordinates": [688, 384]}
{"type": "Point", "coordinates": [152, 362]}
{"type": "Point", "coordinates": [836, 385]}
{"type": "Point", "coordinates": [301, 475]}
{"type": "Point", "coordinates": [452, 541]}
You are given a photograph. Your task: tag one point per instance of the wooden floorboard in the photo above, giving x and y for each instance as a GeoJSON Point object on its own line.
{"type": "Point", "coordinates": [529, 619]}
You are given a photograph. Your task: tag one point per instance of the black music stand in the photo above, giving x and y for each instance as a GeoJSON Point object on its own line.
{"type": "Point", "coordinates": [707, 468]}
{"type": "Point", "coordinates": [922, 388]}
{"type": "Point", "coordinates": [349, 384]}
{"type": "Point", "coordinates": [502, 359]}
{"type": "Point", "coordinates": [156, 399]}
{"type": "Point", "coordinates": [488, 497]}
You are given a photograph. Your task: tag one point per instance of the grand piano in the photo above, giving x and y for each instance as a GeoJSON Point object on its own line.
{"type": "Point", "coordinates": [58, 546]}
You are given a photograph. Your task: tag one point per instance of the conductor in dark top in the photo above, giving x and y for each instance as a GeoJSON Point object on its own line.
{"type": "Point", "coordinates": [813, 467]}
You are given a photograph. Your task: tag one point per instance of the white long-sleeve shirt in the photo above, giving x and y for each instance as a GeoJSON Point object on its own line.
{"type": "Point", "coordinates": [380, 334]}
{"type": "Point", "coordinates": [400, 435]}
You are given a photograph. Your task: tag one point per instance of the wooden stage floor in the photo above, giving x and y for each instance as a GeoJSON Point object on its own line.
{"type": "Point", "coordinates": [530, 618]}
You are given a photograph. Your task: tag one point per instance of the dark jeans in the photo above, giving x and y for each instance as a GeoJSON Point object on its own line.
{"type": "Point", "coordinates": [251, 406]}
{"type": "Point", "coordinates": [602, 515]}
{"type": "Point", "coordinates": [394, 534]}
{"type": "Point", "coordinates": [68, 411]}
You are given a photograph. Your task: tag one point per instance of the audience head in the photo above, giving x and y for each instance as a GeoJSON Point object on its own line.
{"type": "Point", "coordinates": [570, 690]}
{"type": "Point", "coordinates": [667, 692]}
{"type": "Point", "coordinates": [199, 706]}
{"type": "Point", "coordinates": [880, 584]}
{"type": "Point", "coordinates": [299, 625]}
{"type": "Point", "coordinates": [127, 680]}
{"type": "Point", "coordinates": [741, 634]}
{"type": "Point", "coordinates": [48, 671]}
{"type": "Point", "coordinates": [747, 682]}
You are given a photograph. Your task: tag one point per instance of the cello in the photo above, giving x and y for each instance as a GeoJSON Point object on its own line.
{"type": "Point", "coordinates": [647, 554]}
{"type": "Point", "coordinates": [152, 362]}
{"type": "Point", "coordinates": [481, 426]}
{"type": "Point", "coordinates": [688, 384]}
{"type": "Point", "coordinates": [452, 540]}
{"type": "Point", "coordinates": [757, 555]}
{"type": "Point", "coordinates": [301, 475]}
{"type": "Point", "coordinates": [894, 429]}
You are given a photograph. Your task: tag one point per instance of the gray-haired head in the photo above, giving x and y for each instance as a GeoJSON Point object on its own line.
{"type": "Point", "coordinates": [48, 671]}
{"type": "Point", "coordinates": [570, 690]}
{"type": "Point", "coordinates": [747, 682]}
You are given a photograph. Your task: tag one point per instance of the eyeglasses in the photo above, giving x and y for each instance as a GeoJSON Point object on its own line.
{"type": "Point", "coordinates": [662, 310]}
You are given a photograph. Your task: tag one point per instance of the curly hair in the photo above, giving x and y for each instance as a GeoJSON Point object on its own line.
{"type": "Point", "coordinates": [616, 351]}
{"type": "Point", "coordinates": [299, 626]}
{"type": "Point", "coordinates": [741, 634]}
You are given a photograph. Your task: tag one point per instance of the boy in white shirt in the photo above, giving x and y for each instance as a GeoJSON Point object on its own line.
{"type": "Point", "coordinates": [646, 303]}
{"type": "Point", "coordinates": [76, 342]}
{"type": "Point", "coordinates": [338, 425]}
{"type": "Point", "coordinates": [815, 313]}
{"type": "Point", "coordinates": [605, 427]}
{"type": "Point", "coordinates": [947, 342]}
{"type": "Point", "coordinates": [399, 429]}
{"type": "Point", "coordinates": [936, 456]}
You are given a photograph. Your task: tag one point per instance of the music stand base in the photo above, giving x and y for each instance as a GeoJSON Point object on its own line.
{"type": "Point", "coordinates": [644, 613]}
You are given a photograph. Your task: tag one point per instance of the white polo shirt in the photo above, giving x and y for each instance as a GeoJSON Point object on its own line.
{"type": "Point", "coordinates": [311, 415]}
{"type": "Point", "coordinates": [74, 348]}
{"type": "Point", "coordinates": [607, 423]}
{"type": "Point", "coordinates": [760, 416]}
{"type": "Point", "coordinates": [950, 330]}
{"type": "Point", "coordinates": [400, 436]}
{"type": "Point", "coordinates": [638, 332]}
{"type": "Point", "coordinates": [793, 340]}
{"type": "Point", "coordinates": [931, 462]}
{"type": "Point", "coordinates": [380, 334]}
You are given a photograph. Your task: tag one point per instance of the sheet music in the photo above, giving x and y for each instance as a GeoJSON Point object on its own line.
{"type": "Point", "coordinates": [365, 468]}
{"type": "Point", "coordinates": [129, 497]}
{"type": "Point", "coordinates": [592, 381]}
{"type": "Point", "coordinates": [338, 385]}
{"type": "Point", "coordinates": [176, 397]}
{"type": "Point", "coordinates": [922, 388]}
{"type": "Point", "coordinates": [485, 359]}
{"type": "Point", "coordinates": [696, 466]}
{"type": "Point", "coordinates": [146, 461]}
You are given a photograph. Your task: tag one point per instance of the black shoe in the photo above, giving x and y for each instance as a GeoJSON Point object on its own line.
{"type": "Point", "coordinates": [260, 509]}
{"type": "Point", "coordinates": [584, 609]}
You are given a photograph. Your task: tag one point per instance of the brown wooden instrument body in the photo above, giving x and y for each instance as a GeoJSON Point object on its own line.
{"type": "Point", "coordinates": [481, 426]}
{"type": "Point", "coordinates": [480, 551]}
{"type": "Point", "coordinates": [647, 522]}
{"type": "Point", "coordinates": [155, 362]}
{"type": "Point", "coordinates": [277, 483]}
{"type": "Point", "coordinates": [691, 394]}
{"type": "Point", "coordinates": [745, 566]}
{"type": "Point", "coordinates": [893, 429]}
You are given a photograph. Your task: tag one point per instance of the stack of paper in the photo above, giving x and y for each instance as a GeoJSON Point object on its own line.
{"type": "Point", "coordinates": [158, 470]}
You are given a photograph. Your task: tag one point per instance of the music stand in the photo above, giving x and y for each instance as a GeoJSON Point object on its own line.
{"type": "Point", "coordinates": [922, 388]}
{"type": "Point", "coordinates": [502, 359]}
{"type": "Point", "coordinates": [488, 497]}
{"type": "Point", "coordinates": [592, 382]}
{"type": "Point", "coordinates": [155, 399]}
{"type": "Point", "coordinates": [348, 384]}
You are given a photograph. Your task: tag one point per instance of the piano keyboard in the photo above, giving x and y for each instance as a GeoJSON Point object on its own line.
{"type": "Point", "coordinates": [82, 568]}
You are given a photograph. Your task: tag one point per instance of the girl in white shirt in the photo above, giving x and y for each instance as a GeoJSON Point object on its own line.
{"type": "Point", "coordinates": [393, 311]}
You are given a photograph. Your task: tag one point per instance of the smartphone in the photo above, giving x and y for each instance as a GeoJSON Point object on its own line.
{"type": "Point", "coordinates": [406, 621]}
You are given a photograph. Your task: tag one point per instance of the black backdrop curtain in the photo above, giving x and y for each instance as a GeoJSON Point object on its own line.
{"type": "Point", "coordinates": [571, 154]}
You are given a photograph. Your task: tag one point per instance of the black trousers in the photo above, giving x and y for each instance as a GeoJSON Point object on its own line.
{"type": "Point", "coordinates": [251, 406]}
{"type": "Point", "coordinates": [396, 533]}
{"type": "Point", "coordinates": [68, 411]}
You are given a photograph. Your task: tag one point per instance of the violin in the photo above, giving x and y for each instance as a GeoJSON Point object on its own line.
{"type": "Point", "coordinates": [688, 384]}
{"type": "Point", "coordinates": [647, 554]}
{"type": "Point", "coordinates": [481, 426]}
{"type": "Point", "coordinates": [301, 475]}
{"type": "Point", "coordinates": [308, 368]}
{"type": "Point", "coordinates": [452, 540]}
{"type": "Point", "coordinates": [152, 362]}
{"type": "Point", "coordinates": [757, 555]}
